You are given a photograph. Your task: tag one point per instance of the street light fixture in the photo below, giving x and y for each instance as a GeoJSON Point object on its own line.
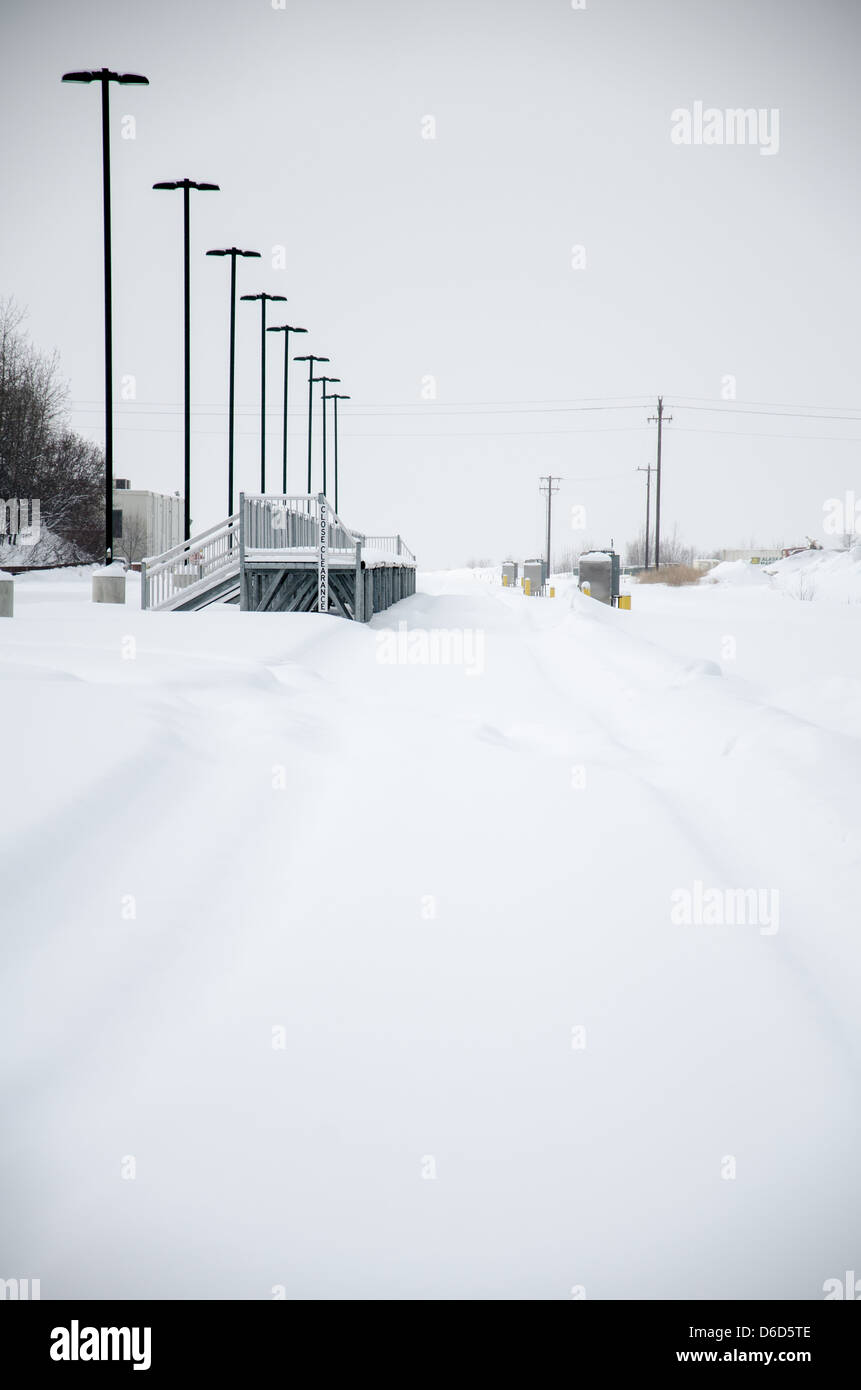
{"type": "Point", "coordinates": [186, 185]}
{"type": "Point", "coordinates": [264, 298]}
{"type": "Point", "coordinates": [335, 396]}
{"type": "Point", "coordinates": [125, 79]}
{"type": "Point", "coordinates": [310, 358]}
{"type": "Point", "coordinates": [324, 381]}
{"type": "Point", "coordinates": [286, 329]}
{"type": "Point", "coordinates": [232, 252]}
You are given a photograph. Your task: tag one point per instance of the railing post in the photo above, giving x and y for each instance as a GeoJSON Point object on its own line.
{"type": "Point", "coordinates": [144, 595]}
{"type": "Point", "coordinates": [243, 596]}
{"type": "Point", "coordinates": [359, 602]}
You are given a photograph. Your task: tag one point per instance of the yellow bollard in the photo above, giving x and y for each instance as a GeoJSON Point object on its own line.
{"type": "Point", "coordinates": [624, 600]}
{"type": "Point", "coordinates": [527, 587]}
{"type": "Point", "coordinates": [505, 581]}
{"type": "Point", "coordinates": [586, 588]}
{"type": "Point", "coordinates": [552, 593]}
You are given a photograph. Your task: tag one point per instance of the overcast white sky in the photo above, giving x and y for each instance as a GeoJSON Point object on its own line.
{"type": "Point", "coordinates": [452, 257]}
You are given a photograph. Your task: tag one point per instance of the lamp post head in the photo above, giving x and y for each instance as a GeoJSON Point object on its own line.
{"type": "Point", "coordinates": [233, 251]}
{"type": "Point", "coordinates": [264, 297]}
{"type": "Point", "coordinates": [189, 183]}
{"type": "Point", "coordinates": [125, 79]}
{"type": "Point", "coordinates": [286, 328]}
{"type": "Point", "coordinates": [310, 357]}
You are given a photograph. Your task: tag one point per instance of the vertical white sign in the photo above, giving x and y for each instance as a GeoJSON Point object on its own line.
{"type": "Point", "coordinates": [323, 561]}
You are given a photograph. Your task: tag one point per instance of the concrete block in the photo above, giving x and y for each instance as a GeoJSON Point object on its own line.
{"type": "Point", "coordinates": [109, 584]}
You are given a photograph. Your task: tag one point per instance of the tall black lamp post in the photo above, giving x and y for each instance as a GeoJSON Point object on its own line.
{"type": "Point", "coordinates": [310, 358]}
{"type": "Point", "coordinates": [105, 76]}
{"type": "Point", "coordinates": [232, 252]}
{"type": "Point", "coordinates": [286, 329]}
{"type": "Point", "coordinates": [186, 185]}
{"type": "Point", "coordinates": [335, 396]}
{"type": "Point", "coordinates": [264, 299]}
{"type": "Point", "coordinates": [325, 381]}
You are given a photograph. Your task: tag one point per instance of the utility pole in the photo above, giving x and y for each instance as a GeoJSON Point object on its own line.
{"type": "Point", "coordinates": [549, 485]}
{"type": "Point", "coordinates": [660, 417]}
{"type": "Point", "coordinates": [648, 472]}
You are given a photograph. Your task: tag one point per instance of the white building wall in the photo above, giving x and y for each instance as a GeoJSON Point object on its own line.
{"type": "Point", "coordinates": [152, 520]}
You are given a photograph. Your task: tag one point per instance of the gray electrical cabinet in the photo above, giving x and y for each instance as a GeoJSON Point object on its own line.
{"type": "Point", "coordinates": [536, 572]}
{"type": "Point", "coordinates": [600, 569]}
{"type": "Point", "coordinates": [509, 572]}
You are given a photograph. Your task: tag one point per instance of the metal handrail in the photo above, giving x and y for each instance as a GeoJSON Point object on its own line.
{"type": "Point", "coordinates": [285, 522]}
{"type": "Point", "coordinates": [165, 578]}
{"type": "Point", "coordinates": [193, 543]}
{"type": "Point", "coordinates": [395, 544]}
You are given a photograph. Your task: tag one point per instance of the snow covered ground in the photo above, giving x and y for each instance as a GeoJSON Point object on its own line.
{"type": "Point", "coordinates": [352, 961]}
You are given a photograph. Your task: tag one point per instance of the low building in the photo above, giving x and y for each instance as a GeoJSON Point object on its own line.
{"type": "Point", "coordinates": [762, 555]}
{"type": "Point", "coordinates": [145, 523]}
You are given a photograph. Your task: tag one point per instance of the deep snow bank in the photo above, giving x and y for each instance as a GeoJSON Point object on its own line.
{"type": "Point", "coordinates": [832, 575]}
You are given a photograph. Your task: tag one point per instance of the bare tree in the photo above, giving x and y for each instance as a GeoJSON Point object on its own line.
{"type": "Point", "coordinates": [635, 551]}
{"type": "Point", "coordinates": [39, 455]}
{"type": "Point", "coordinates": [132, 544]}
{"type": "Point", "coordinates": [566, 560]}
{"type": "Point", "coordinates": [673, 549]}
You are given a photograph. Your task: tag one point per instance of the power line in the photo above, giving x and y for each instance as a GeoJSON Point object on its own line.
{"type": "Point", "coordinates": [627, 402]}
{"type": "Point", "coordinates": [771, 405]}
{"type": "Point", "coordinates": [762, 434]}
{"type": "Point", "coordinates": [431, 409]}
{"type": "Point", "coordinates": [134, 409]}
{"type": "Point", "coordinates": [517, 434]}
{"type": "Point", "coordinates": [778, 414]}
{"type": "Point", "coordinates": [414, 434]}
